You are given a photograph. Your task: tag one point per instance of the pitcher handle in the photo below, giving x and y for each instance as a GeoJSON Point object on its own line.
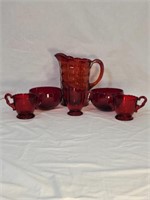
{"type": "Point", "coordinates": [142, 104]}
{"type": "Point", "coordinates": [101, 66]}
{"type": "Point", "coordinates": [7, 96]}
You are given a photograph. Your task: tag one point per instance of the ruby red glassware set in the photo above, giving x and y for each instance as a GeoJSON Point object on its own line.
{"type": "Point", "coordinates": [76, 92]}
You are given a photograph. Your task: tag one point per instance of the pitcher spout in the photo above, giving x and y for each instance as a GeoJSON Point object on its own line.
{"type": "Point", "coordinates": [60, 56]}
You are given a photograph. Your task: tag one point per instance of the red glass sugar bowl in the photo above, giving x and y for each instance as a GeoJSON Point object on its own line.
{"type": "Point", "coordinates": [48, 96]}
{"type": "Point", "coordinates": [103, 98]}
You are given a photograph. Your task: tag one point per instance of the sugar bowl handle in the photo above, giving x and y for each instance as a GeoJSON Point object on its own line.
{"type": "Point", "coordinates": [142, 104]}
{"type": "Point", "coordinates": [101, 72]}
{"type": "Point", "coordinates": [7, 96]}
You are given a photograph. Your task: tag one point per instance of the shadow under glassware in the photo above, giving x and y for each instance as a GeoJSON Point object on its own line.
{"type": "Point", "coordinates": [75, 73]}
{"type": "Point", "coordinates": [126, 105]}
{"type": "Point", "coordinates": [103, 98]}
{"type": "Point", "coordinates": [75, 101]}
{"type": "Point", "coordinates": [48, 97]}
{"type": "Point", "coordinates": [24, 104]}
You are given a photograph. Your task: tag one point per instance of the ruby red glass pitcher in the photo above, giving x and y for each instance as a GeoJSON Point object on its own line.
{"type": "Point", "coordinates": [75, 73]}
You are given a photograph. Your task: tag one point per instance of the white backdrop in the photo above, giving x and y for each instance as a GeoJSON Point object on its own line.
{"type": "Point", "coordinates": [92, 157]}
{"type": "Point", "coordinates": [114, 31]}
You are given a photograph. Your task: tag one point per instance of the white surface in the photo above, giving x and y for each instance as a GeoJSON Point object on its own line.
{"type": "Point", "coordinates": [55, 156]}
